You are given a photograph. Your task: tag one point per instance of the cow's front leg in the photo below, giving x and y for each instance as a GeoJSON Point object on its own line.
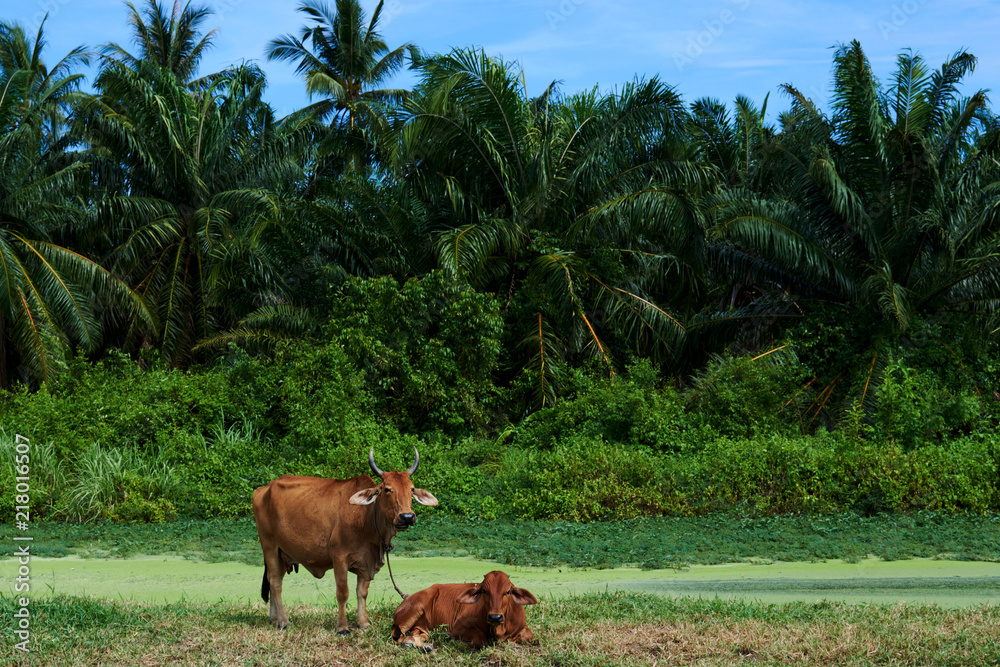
{"type": "Point", "coordinates": [362, 594]}
{"type": "Point", "coordinates": [416, 639]}
{"type": "Point", "coordinates": [340, 575]}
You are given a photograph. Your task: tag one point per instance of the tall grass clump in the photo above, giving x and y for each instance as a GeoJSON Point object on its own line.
{"type": "Point", "coordinates": [47, 472]}
{"type": "Point", "coordinates": [120, 484]}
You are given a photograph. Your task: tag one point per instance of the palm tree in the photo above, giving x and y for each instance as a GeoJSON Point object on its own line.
{"type": "Point", "coordinates": [734, 145]}
{"type": "Point", "coordinates": [885, 210]}
{"type": "Point", "coordinates": [196, 183]}
{"type": "Point", "coordinates": [546, 202]}
{"type": "Point", "coordinates": [49, 91]}
{"type": "Point", "coordinates": [174, 41]}
{"type": "Point", "coordinates": [47, 291]}
{"type": "Point", "coordinates": [345, 62]}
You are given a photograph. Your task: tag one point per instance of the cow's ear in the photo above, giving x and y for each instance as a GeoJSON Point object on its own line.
{"type": "Point", "coordinates": [469, 595]}
{"type": "Point", "coordinates": [424, 497]}
{"type": "Point", "coordinates": [364, 496]}
{"type": "Point", "coordinates": [523, 597]}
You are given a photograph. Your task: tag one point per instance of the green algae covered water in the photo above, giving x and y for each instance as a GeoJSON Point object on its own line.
{"type": "Point", "coordinates": [170, 578]}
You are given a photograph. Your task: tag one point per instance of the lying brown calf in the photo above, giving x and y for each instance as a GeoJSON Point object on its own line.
{"type": "Point", "coordinates": [490, 611]}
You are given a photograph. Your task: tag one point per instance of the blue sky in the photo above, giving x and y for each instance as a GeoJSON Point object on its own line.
{"type": "Point", "coordinates": [717, 48]}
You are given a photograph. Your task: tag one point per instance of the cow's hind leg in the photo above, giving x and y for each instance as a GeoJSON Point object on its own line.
{"type": "Point", "coordinates": [362, 593]}
{"type": "Point", "coordinates": [524, 636]}
{"type": "Point", "coordinates": [274, 571]}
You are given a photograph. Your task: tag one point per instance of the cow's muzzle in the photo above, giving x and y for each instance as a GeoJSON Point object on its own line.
{"type": "Point", "coordinates": [406, 519]}
{"type": "Point", "coordinates": [494, 619]}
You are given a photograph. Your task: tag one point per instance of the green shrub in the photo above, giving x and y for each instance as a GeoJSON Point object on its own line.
{"type": "Point", "coordinates": [428, 349]}
{"type": "Point", "coordinates": [584, 479]}
{"type": "Point", "coordinates": [830, 473]}
{"type": "Point", "coordinates": [221, 470]}
{"type": "Point", "coordinates": [117, 484]}
{"type": "Point", "coordinates": [113, 440]}
{"type": "Point", "coordinates": [320, 398]}
{"type": "Point", "coordinates": [772, 474]}
{"type": "Point", "coordinates": [751, 395]}
{"type": "Point", "coordinates": [915, 408]}
{"type": "Point", "coordinates": [116, 401]}
{"type": "Point", "coordinates": [957, 476]}
{"type": "Point", "coordinates": [951, 347]}
{"type": "Point", "coordinates": [927, 384]}
{"type": "Point", "coordinates": [629, 409]}
{"type": "Point", "coordinates": [139, 509]}
{"type": "Point", "coordinates": [349, 456]}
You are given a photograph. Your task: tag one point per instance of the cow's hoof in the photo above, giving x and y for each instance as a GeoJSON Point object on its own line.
{"type": "Point", "coordinates": [343, 633]}
{"type": "Point", "coordinates": [423, 648]}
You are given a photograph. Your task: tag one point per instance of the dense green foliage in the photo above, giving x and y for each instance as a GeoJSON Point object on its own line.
{"type": "Point", "coordinates": [147, 444]}
{"type": "Point", "coordinates": [429, 349]}
{"type": "Point", "coordinates": [578, 306]}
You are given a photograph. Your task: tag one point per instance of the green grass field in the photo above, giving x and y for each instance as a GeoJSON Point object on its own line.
{"type": "Point", "coordinates": [579, 631]}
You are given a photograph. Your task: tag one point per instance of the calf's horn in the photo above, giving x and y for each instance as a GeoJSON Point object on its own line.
{"type": "Point", "coordinates": [416, 462]}
{"type": "Point", "coordinates": [371, 462]}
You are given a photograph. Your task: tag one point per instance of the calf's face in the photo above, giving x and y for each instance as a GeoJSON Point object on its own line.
{"type": "Point", "coordinates": [499, 594]}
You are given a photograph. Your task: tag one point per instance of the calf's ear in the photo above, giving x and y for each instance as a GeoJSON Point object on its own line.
{"type": "Point", "coordinates": [469, 595]}
{"type": "Point", "coordinates": [364, 496]}
{"type": "Point", "coordinates": [424, 497]}
{"type": "Point", "coordinates": [523, 597]}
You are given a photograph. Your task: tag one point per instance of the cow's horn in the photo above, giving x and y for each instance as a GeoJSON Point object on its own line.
{"type": "Point", "coordinates": [371, 462]}
{"type": "Point", "coordinates": [416, 461]}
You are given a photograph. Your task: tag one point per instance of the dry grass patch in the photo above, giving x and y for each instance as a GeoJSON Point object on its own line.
{"type": "Point", "coordinates": [881, 636]}
{"type": "Point", "coordinates": [616, 629]}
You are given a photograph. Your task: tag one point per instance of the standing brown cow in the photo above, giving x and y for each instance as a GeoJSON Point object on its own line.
{"type": "Point", "coordinates": [325, 524]}
{"type": "Point", "coordinates": [490, 611]}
